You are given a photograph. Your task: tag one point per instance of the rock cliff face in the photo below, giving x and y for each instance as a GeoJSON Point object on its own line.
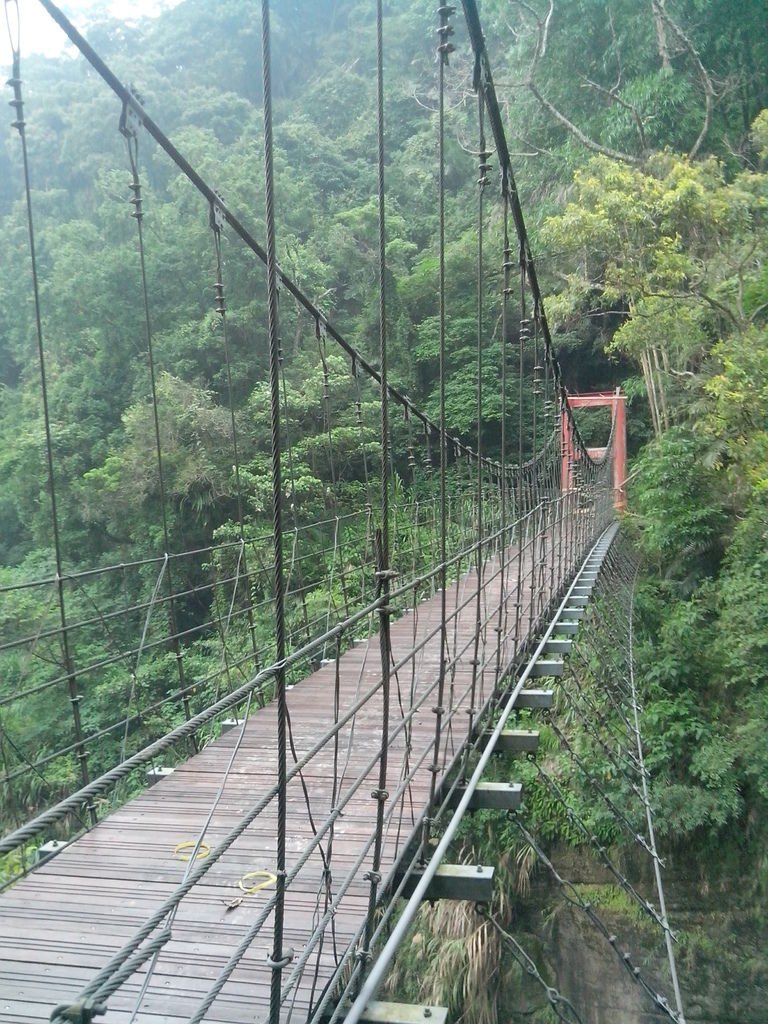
{"type": "Point", "coordinates": [722, 947]}
{"type": "Point", "coordinates": [717, 911]}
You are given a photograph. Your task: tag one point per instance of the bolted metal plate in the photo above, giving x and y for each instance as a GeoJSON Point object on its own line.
{"type": "Point", "coordinates": [49, 849]}
{"type": "Point", "coordinates": [403, 1013]}
{"type": "Point", "coordinates": [495, 796]}
{"type": "Point", "coordinates": [573, 613]}
{"type": "Point", "coordinates": [546, 667]}
{"type": "Point", "coordinates": [558, 646]}
{"type": "Point", "coordinates": [534, 699]}
{"type": "Point", "coordinates": [455, 882]}
{"type": "Point", "coordinates": [567, 628]}
{"type": "Point", "coordinates": [517, 741]}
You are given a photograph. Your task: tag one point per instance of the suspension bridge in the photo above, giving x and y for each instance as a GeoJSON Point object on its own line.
{"type": "Point", "coordinates": [252, 840]}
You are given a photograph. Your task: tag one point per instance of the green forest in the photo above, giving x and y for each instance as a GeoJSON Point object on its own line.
{"type": "Point", "coordinates": [639, 136]}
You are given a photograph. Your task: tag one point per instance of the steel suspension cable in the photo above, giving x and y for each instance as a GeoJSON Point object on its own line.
{"type": "Point", "coordinates": [279, 959]}
{"type": "Point", "coordinates": [13, 24]}
{"type": "Point", "coordinates": [572, 896]}
{"type": "Point", "coordinates": [522, 504]}
{"type": "Point", "coordinates": [506, 291]}
{"type": "Point", "coordinates": [383, 570]}
{"type": "Point", "coordinates": [153, 129]}
{"type": "Point", "coordinates": [485, 78]}
{"type": "Point", "coordinates": [129, 129]}
{"type": "Point", "coordinates": [444, 49]}
{"type": "Point", "coordinates": [484, 167]}
{"type": "Point", "coordinates": [559, 1004]}
{"type": "Point", "coordinates": [217, 226]}
{"type": "Point", "coordinates": [668, 939]}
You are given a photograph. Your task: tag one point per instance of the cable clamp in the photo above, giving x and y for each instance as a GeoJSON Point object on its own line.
{"type": "Point", "coordinates": [386, 574]}
{"type": "Point", "coordinates": [17, 103]}
{"type": "Point", "coordinates": [79, 1013]}
{"type": "Point", "coordinates": [216, 214]}
{"type": "Point", "coordinates": [364, 956]}
{"type": "Point", "coordinates": [278, 965]}
{"type": "Point", "coordinates": [130, 118]}
{"type": "Point", "coordinates": [380, 794]}
{"type": "Point", "coordinates": [372, 876]}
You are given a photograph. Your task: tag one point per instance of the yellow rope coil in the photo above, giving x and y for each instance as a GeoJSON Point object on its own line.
{"type": "Point", "coordinates": [190, 844]}
{"type": "Point", "coordinates": [249, 890]}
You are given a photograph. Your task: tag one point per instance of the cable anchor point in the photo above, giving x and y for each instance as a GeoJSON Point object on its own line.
{"type": "Point", "coordinates": [130, 118]}
{"type": "Point", "coordinates": [444, 32]}
{"type": "Point", "coordinates": [79, 1013]}
{"type": "Point", "coordinates": [281, 962]}
{"type": "Point", "coordinates": [216, 218]}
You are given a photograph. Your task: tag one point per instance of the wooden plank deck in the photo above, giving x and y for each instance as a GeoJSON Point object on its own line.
{"type": "Point", "coordinates": [62, 923]}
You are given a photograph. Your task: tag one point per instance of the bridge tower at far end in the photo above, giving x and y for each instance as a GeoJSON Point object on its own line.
{"type": "Point", "coordinates": [618, 405]}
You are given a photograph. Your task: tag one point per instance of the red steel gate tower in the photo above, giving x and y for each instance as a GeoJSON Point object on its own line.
{"type": "Point", "coordinates": [596, 400]}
